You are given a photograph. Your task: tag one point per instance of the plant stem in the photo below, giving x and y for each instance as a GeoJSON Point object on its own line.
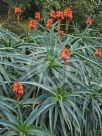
{"type": "Point", "coordinates": [63, 83]}
{"type": "Point", "coordinates": [64, 72]}
{"type": "Point", "coordinates": [67, 25]}
{"type": "Point", "coordinates": [18, 18]}
{"type": "Point", "coordinates": [59, 24]}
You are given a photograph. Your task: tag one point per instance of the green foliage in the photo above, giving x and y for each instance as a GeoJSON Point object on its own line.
{"type": "Point", "coordinates": [13, 120]}
{"type": "Point", "coordinates": [64, 99]}
{"type": "Point", "coordinates": [3, 8]}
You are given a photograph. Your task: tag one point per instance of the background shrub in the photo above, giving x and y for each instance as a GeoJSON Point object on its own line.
{"type": "Point", "coordinates": [82, 9]}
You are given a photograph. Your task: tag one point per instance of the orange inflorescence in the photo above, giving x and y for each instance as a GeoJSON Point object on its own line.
{"type": "Point", "coordinates": [49, 23]}
{"type": "Point", "coordinates": [89, 21]}
{"type": "Point", "coordinates": [18, 90]}
{"type": "Point", "coordinates": [65, 55]}
{"type": "Point", "coordinates": [98, 52]}
{"type": "Point", "coordinates": [32, 24]}
{"type": "Point", "coordinates": [59, 15]}
{"type": "Point", "coordinates": [18, 10]}
{"type": "Point", "coordinates": [37, 16]}
{"type": "Point", "coordinates": [68, 13]}
{"type": "Point", "coordinates": [53, 14]}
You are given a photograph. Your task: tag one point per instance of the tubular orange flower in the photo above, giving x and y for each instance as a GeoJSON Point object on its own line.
{"type": "Point", "coordinates": [53, 14]}
{"type": "Point", "coordinates": [65, 55]}
{"type": "Point", "coordinates": [59, 15]}
{"type": "Point", "coordinates": [98, 52]}
{"type": "Point", "coordinates": [32, 24]}
{"type": "Point", "coordinates": [68, 14]}
{"type": "Point", "coordinates": [18, 90]}
{"type": "Point", "coordinates": [89, 21]}
{"type": "Point", "coordinates": [49, 23]}
{"type": "Point", "coordinates": [37, 16]}
{"type": "Point", "coordinates": [18, 10]}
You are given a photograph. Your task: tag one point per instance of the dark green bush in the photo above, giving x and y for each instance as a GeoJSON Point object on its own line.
{"type": "Point", "coordinates": [3, 8]}
{"type": "Point", "coordinates": [81, 8]}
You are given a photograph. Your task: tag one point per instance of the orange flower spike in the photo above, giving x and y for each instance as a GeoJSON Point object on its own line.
{"type": "Point", "coordinates": [98, 52]}
{"type": "Point", "coordinates": [68, 13]}
{"type": "Point", "coordinates": [59, 15]}
{"type": "Point", "coordinates": [89, 21]}
{"type": "Point", "coordinates": [37, 16]}
{"type": "Point", "coordinates": [18, 10]}
{"type": "Point", "coordinates": [18, 90]}
{"type": "Point", "coordinates": [49, 23]}
{"type": "Point", "coordinates": [32, 24]}
{"type": "Point", "coordinates": [65, 55]}
{"type": "Point", "coordinates": [53, 14]}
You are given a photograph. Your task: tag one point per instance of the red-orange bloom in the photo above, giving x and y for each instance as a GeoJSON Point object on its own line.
{"type": "Point", "coordinates": [49, 23]}
{"type": "Point", "coordinates": [32, 24]}
{"type": "Point", "coordinates": [37, 16]}
{"type": "Point", "coordinates": [18, 10]}
{"type": "Point", "coordinates": [53, 14]}
{"type": "Point", "coordinates": [18, 90]}
{"type": "Point", "coordinates": [98, 52]}
{"type": "Point", "coordinates": [59, 15]}
{"type": "Point", "coordinates": [68, 13]}
{"type": "Point", "coordinates": [89, 21]}
{"type": "Point", "coordinates": [65, 55]}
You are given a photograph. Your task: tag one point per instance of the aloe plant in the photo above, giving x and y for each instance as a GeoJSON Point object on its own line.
{"type": "Point", "coordinates": [12, 120]}
{"type": "Point", "coordinates": [63, 98]}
